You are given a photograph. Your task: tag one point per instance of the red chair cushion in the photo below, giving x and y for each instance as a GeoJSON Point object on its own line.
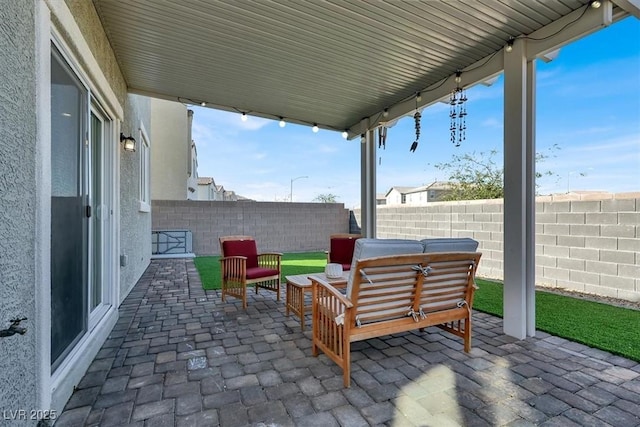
{"type": "Point", "coordinates": [245, 248]}
{"type": "Point", "coordinates": [258, 272]}
{"type": "Point", "coordinates": [341, 250]}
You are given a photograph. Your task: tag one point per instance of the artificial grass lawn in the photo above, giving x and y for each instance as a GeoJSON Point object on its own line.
{"type": "Point", "coordinates": [603, 326]}
{"type": "Point", "coordinates": [298, 263]}
{"type": "Point", "coordinates": [597, 325]}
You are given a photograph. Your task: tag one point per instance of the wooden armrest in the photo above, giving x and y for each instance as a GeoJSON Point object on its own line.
{"type": "Point", "coordinates": [270, 253]}
{"type": "Point", "coordinates": [316, 281]}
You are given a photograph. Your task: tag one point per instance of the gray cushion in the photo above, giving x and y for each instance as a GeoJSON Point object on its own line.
{"type": "Point", "coordinates": [449, 244]}
{"type": "Point", "coordinates": [370, 248]}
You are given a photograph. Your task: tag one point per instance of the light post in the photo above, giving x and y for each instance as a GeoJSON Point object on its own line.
{"type": "Point", "coordinates": [291, 190]}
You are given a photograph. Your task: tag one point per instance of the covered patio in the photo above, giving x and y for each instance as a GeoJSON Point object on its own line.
{"type": "Point", "coordinates": [179, 356]}
{"type": "Point", "coordinates": [357, 68]}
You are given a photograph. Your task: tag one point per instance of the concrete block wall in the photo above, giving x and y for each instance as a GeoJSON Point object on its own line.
{"type": "Point", "coordinates": [279, 227]}
{"type": "Point", "coordinates": [584, 242]}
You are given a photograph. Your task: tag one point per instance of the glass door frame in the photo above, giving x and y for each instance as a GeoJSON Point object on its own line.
{"type": "Point", "coordinates": [102, 214]}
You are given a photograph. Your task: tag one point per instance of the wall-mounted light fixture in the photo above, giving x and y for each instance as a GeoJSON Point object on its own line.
{"type": "Point", "coordinates": [128, 142]}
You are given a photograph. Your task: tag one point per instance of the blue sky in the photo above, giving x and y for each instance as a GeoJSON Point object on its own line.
{"type": "Point", "coordinates": [588, 104]}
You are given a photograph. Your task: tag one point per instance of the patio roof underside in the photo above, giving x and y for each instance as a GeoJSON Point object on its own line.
{"type": "Point", "coordinates": [334, 63]}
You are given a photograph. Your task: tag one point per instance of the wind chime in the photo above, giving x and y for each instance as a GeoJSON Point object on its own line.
{"type": "Point", "coordinates": [458, 112]}
{"type": "Point", "coordinates": [416, 118]}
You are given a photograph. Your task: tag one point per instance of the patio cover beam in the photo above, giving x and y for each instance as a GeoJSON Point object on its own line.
{"type": "Point", "coordinates": [632, 7]}
{"type": "Point", "coordinates": [571, 27]}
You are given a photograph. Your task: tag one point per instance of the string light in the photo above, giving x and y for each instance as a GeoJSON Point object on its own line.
{"type": "Point", "coordinates": [418, 97]}
{"type": "Point", "coordinates": [509, 47]}
{"type": "Point", "coordinates": [345, 134]}
{"type": "Point", "coordinates": [315, 128]}
{"type": "Point", "coordinates": [244, 117]}
{"type": "Point", "coordinates": [385, 113]}
{"type": "Point", "coordinates": [596, 4]}
{"type": "Point", "coordinates": [203, 104]}
{"type": "Point", "coordinates": [282, 122]}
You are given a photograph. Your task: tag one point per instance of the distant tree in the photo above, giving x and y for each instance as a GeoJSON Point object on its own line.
{"type": "Point", "coordinates": [326, 198]}
{"type": "Point", "coordinates": [476, 176]}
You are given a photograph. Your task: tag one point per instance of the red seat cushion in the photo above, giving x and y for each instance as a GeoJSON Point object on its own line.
{"type": "Point", "coordinates": [341, 251]}
{"type": "Point", "coordinates": [245, 248]}
{"type": "Point", "coordinates": [258, 272]}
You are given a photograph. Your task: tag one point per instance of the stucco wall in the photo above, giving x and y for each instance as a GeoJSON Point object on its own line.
{"type": "Point", "coordinates": [280, 227]}
{"type": "Point", "coordinates": [169, 154]}
{"type": "Point", "coordinates": [582, 243]}
{"type": "Point", "coordinates": [135, 225]}
{"type": "Point", "coordinates": [18, 366]}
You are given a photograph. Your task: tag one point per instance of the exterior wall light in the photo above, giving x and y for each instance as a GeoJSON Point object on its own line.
{"type": "Point", "coordinates": [128, 142]}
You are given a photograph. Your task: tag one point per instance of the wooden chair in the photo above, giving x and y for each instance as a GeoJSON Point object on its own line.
{"type": "Point", "coordinates": [341, 249]}
{"type": "Point", "coordinates": [242, 265]}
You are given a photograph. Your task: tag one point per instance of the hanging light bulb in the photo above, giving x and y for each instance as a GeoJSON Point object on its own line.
{"type": "Point", "coordinates": [315, 128]}
{"type": "Point", "coordinates": [596, 4]}
{"type": "Point", "coordinates": [458, 78]}
{"type": "Point", "coordinates": [282, 122]}
{"type": "Point", "coordinates": [345, 134]}
{"type": "Point", "coordinates": [509, 47]}
{"type": "Point", "coordinates": [244, 117]}
{"type": "Point", "coordinates": [385, 113]}
{"type": "Point", "coordinates": [203, 104]}
{"type": "Point", "coordinates": [418, 97]}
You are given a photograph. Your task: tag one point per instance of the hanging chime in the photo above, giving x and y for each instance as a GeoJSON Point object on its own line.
{"type": "Point", "coordinates": [416, 118]}
{"type": "Point", "coordinates": [458, 113]}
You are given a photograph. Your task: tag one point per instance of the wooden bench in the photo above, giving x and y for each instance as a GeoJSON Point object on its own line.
{"type": "Point", "coordinates": [391, 294]}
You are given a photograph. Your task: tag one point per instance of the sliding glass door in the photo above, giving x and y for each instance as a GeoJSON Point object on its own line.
{"type": "Point", "coordinates": [81, 213]}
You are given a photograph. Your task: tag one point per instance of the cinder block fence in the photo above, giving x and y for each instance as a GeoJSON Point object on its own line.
{"type": "Point", "coordinates": [279, 227]}
{"type": "Point", "coordinates": [589, 243]}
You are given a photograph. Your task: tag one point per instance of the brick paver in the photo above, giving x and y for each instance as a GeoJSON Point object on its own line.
{"type": "Point", "coordinates": [178, 356]}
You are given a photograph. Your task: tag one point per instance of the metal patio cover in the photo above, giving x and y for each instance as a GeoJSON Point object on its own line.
{"type": "Point", "coordinates": [333, 63]}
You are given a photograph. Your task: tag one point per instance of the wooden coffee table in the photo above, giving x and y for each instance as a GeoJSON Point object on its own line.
{"type": "Point", "coordinates": [300, 284]}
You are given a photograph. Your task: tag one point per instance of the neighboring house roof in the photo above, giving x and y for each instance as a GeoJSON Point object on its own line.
{"type": "Point", "coordinates": [205, 180]}
{"type": "Point", "coordinates": [401, 190]}
{"type": "Point", "coordinates": [436, 185]}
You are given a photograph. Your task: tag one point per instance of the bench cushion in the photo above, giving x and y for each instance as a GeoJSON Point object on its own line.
{"type": "Point", "coordinates": [449, 244]}
{"type": "Point", "coordinates": [370, 248]}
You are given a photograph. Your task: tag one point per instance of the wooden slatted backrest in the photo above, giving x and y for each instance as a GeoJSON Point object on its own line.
{"type": "Point", "coordinates": [449, 281]}
{"type": "Point", "coordinates": [385, 287]}
{"type": "Point", "coordinates": [370, 248]}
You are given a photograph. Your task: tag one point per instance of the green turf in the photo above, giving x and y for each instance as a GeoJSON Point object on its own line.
{"type": "Point", "coordinates": [597, 325]}
{"type": "Point", "coordinates": [295, 263]}
{"type": "Point", "coordinates": [603, 326]}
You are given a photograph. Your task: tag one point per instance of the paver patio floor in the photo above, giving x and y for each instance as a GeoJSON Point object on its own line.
{"type": "Point", "coordinates": [179, 356]}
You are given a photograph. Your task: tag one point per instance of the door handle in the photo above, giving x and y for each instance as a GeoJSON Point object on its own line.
{"type": "Point", "coordinates": [88, 211]}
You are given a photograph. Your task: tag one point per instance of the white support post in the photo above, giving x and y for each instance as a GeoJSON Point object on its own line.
{"type": "Point", "coordinates": [530, 218]}
{"type": "Point", "coordinates": [519, 202]}
{"type": "Point", "coordinates": [368, 184]}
